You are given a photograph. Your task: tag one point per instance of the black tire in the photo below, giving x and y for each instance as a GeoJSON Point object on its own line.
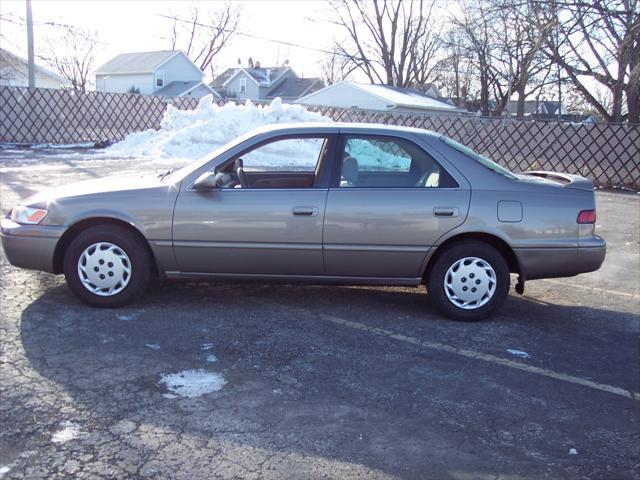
{"type": "Point", "coordinates": [454, 253]}
{"type": "Point", "coordinates": [126, 240]}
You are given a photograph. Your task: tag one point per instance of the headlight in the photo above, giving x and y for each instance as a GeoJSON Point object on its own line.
{"type": "Point", "coordinates": [28, 215]}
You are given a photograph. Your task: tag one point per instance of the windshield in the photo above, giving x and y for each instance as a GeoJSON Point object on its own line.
{"type": "Point", "coordinates": [482, 160]}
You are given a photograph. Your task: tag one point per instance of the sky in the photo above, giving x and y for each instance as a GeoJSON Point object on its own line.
{"type": "Point", "coordinates": [134, 26]}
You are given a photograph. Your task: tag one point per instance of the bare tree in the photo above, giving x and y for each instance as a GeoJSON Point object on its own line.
{"type": "Point", "coordinates": [456, 76]}
{"type": "Point", "coordinates": [205, 33]}
{"type": "Point", "coordinates": [474, 28]}
{"type": "Point", "coordinates": [519, 66]}
{"type": "Point", "coordinates": [11, 67]}
{"type": "Point", "coordinates": [599, 41]}
{"type": "Point", "coordinates": [504, 40]}
{"type": "Point", "coordinates": [337, 67]}
{"type": "Point", "coordinates": [575, 101]}
{"type": "Point", "coordinates": [390, 41]}
{"type": "Point", "coordinates": [71, 52]}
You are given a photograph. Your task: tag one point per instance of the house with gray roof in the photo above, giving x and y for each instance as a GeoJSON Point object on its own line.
{"type": "Point", "coordinates": [168, 73]}
{"type": "Point", "coordinates": [292, 88]}
{"type": "Point", "coordinates": [264, 83]}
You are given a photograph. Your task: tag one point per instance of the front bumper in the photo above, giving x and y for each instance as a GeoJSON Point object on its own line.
{"type": "Point", "coordinates": [562, 262]}
{"type": "Point", "coordinates": [30, 246]}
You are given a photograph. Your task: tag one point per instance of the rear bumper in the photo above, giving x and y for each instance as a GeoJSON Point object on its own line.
{"type": "Point", "coordinates": [562, 262]}
{"type": "Point", "coordinates": [29, 246]}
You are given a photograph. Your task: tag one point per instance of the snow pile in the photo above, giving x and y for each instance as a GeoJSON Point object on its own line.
{"type": "Point", "coordinates": [68, 432]}
{"type": "Point", "coordinates": [192, 383]}
{"type": "Point", "coordinates": [190, 134]}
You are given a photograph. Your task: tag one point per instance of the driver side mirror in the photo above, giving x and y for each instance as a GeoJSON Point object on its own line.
{"type": "Point", "coordinates": [206, 181]}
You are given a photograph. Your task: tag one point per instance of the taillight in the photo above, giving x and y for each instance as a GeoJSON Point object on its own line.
{"type": "Point", "coordinates": [587, 216]}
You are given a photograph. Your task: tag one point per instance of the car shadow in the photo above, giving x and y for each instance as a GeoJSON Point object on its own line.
{"type": "Point", "coordinates": [297, 384]}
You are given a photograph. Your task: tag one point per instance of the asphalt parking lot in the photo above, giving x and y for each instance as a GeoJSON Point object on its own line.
{"type": "Point", "coordinates": [319, 381]}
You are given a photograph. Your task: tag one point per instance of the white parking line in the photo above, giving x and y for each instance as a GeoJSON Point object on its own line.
{"type": "Point", "coordinates": [595, 289]}
{"type": "Point", "coordinates": [464, 352]}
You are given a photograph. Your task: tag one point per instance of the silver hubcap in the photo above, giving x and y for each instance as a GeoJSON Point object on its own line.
{"type": "Point", "coordinates": [470, 283]}
{"type": "Point", "coordinates": [104, 269]}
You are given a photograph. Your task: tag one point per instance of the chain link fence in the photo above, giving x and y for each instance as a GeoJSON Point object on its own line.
{"type": "Point", "coordinates": [607, 154]}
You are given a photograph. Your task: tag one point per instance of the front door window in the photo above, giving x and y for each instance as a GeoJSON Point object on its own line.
{"type": "Point", "coordinates": [284, 163]}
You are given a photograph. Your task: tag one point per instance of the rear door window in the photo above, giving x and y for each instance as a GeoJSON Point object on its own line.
{"type": "Point", "coordinates": [374, 161]}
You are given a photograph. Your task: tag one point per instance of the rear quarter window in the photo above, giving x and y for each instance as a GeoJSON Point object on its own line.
{"type": "Point", "coordinates": [482, 160]}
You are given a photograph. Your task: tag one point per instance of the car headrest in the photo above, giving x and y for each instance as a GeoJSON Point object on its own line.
{"type": "Point", "coordinates": [350, 170]}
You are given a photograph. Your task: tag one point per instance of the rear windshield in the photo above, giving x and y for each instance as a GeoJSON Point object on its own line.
{"type": "Point", "coordinates": [482, 160]}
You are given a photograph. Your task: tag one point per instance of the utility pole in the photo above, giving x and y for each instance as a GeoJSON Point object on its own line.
{"type": "Point", "coordinates": [557, 16]}
{"type": "Point", "coordinates": [31, 60]}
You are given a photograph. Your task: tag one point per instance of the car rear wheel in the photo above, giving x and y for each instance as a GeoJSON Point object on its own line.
{"type": "Point", "coordinates": [107, 266]}
{"type": "Point", "coordinates": [469, 281]}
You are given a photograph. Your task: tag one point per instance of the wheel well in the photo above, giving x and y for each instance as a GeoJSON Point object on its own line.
{"type": "Point", "coordinates": [73, 231]}
{"type": "Point", "coordinates": [496, 242]}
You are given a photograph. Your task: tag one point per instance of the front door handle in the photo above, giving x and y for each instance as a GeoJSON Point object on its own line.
{"type": "Point", "coordinates": [445, 211]}
{"type": "Point", "coordinates": [305, 211]}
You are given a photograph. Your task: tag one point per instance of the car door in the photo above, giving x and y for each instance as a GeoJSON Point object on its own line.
{"type": "Point", "coordinates": [390, 203]}
{"type": "Point", "coordinates": [271, 225]}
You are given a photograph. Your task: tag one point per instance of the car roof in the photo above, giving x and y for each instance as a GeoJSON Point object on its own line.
{"type": "Point", "coordinates": [334, 127]}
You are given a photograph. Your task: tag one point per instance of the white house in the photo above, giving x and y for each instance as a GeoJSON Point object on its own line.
{"type": "Point", "coordinates": [168, 73]}
{"type": "Point", "coordinates": [377, 97]}
{"type": "Point", "coordinates": [14, 72]}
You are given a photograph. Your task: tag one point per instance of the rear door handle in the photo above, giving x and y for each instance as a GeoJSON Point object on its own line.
{"type": "Point", "coordinates": [445, 211]}
{"type": "Point", "coordinates": [305, 211]}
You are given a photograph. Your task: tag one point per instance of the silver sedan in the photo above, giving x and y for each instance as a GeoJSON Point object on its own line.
{"type": "Point", "coordinates": [330, 203]}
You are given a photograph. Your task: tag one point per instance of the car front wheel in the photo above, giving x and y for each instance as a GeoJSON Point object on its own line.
{"type": "Point", "coordinates": [107, 266]}
{"type": "Point", "coordinates": [469, 281]}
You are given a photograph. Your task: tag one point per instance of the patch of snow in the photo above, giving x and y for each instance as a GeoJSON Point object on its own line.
{"type": "Point", "coordinates": [125, 317]}
{"type": "Point", "coordinates": [152, 346]}
{"type": "Point", "coordinates": [207, 346]}
{"type": "Point", "coordinates": [192, 383]}
{"type": "Point", "coordinates": [68, 432]}
{"type": "Point", "coordinates": [61, 146]}
{"type": "Point", "coordinates": [573, 451]}
{"type": "Point", "coordinates": [212, 358]}
{"type": "Point", "coordinates": [518, 353]}
{"type": "Point", "coordinates": [4, 470]}
{"type": "Point", "coordinates": [190, 134]}
{"type": "Point", "coordinates": [31, 168]}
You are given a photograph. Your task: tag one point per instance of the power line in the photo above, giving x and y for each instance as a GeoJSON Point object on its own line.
{"type": "Point", "coordinates": [258, 37]}
{"type": "Point", "coordinates": [292, 44]}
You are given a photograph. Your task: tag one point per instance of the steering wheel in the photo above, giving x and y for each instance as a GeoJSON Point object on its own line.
{"type": "Point", "coordinates": [226, 180]}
